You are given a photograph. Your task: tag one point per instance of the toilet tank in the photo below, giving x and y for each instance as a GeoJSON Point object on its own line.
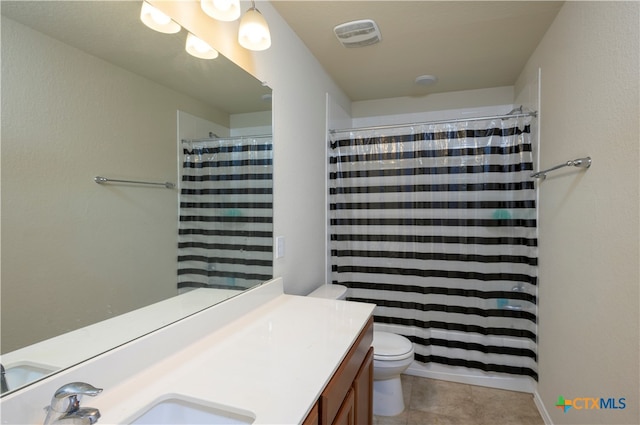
{"type": "Point", "coordinates": [336, 292]}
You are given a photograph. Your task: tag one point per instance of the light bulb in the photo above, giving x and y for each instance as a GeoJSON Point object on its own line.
{"type": "Point", "coordinates": [254, 31]}
{"type": "Point", "coordinates": [159, 17]}
{"type": "Point", "coordinates": [199, 48]}
{"type": "Point", "coordinates": [157, 20]}
{"type": "Point", "coordinates": [222, 10]}
{"type": "Point", "coordinates": [222, 5]}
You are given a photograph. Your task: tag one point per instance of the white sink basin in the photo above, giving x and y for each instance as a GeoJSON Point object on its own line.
{"type": "Point", "coordinates": [22, 374]}
{"type": "Point", "coordinates": [178, 411]}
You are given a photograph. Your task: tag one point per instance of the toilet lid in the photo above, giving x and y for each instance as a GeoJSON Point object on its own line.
{"type": "Point", "coordinates": [389, 346]}
{"type": "Point", "coordinates": [334, 292]}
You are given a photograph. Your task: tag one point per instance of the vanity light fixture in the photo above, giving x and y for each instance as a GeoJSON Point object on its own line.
{"type": "Point", "coordinates": [157, 20]}
{"type": "Point", "coordinates": [199, 48]}
{"type": "Point", "coordinates": [254, 32]}
{"type": "Point", "coordinates": [222, 10]}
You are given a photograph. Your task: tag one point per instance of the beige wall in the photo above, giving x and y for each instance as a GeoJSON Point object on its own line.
{"type": "Point", "coordinates": [101, 250]}
{"type": "Point", "coordinates": [589, 234]}
{"type": "Point", "coordinates": [300, 87]}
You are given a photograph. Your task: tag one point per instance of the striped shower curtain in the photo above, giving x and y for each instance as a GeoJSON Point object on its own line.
{"type": "Point", "coordinates": [225, 228]}
{"type": "Point", "coordinates": [436, 225]}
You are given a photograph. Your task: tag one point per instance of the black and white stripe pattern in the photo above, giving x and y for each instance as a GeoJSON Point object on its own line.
{"type": "Point", "coordinates": [225, 229]}
{"type": "Point", "coordinates": [436, 224]}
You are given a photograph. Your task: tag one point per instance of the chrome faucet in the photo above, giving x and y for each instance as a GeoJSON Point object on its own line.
{"type": "Point", "coordinates": [3, 380]}
{"type": "Point", "coordinates": [65, 405]}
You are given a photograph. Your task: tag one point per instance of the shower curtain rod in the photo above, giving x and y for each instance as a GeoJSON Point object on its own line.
{"type": "Point", "coordinates": [102, 180]}
{"type": "Point", "coordinates": [491, 117]}
{"type": "Point", "coordinates": [218, 138]}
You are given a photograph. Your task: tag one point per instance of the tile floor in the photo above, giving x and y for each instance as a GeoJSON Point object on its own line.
{"type": "Point", "coordinates": [434, 402]}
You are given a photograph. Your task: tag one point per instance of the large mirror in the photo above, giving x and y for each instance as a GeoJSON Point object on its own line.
{"type": "Point", "coordinates": [87, 91]}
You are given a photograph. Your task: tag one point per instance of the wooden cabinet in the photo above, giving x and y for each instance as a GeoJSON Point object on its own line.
{"type": "Point", "coordinates": [346, 414]}
{"type": "Point", "coordinates": [363, 391]}
{"type": "Point", "coordinates": [313, 418]}
{"type": "Point", "coordinates": [347, 398]}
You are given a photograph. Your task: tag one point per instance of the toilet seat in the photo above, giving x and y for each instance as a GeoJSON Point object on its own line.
{"type": "Point", "coordinates": [389, 347]}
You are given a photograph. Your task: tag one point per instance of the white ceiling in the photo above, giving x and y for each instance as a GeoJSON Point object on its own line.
{"type": "Point", "coordinates": [466, 44]}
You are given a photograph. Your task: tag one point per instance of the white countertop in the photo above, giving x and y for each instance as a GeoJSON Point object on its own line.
{"type": "Point", "coordinates": [261, 353]}
{"type": "Point", "coordinates": [272, 362]}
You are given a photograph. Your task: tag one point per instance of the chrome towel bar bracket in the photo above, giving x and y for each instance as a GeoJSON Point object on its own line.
{"type": "Point", "coordinates": [102, 180]}
{"type": "Point", "coordinates": [580, 162]}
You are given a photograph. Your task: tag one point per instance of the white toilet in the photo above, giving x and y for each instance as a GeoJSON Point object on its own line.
{"type": "Point", "coordinates": [392, 355]}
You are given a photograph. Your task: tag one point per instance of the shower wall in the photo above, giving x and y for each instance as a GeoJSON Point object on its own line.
{"type": "Point", "coordinates": [439, 106]}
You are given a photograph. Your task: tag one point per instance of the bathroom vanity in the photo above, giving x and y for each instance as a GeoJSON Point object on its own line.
{"type": "Point", "coordinates": [347, 399]}
{"type": "Point", "coordinates": [262, 357]}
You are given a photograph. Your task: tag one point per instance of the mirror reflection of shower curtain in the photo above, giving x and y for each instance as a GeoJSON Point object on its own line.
{"type": "Point", "coordinates": [225, 227]}
{"type": "Point", "coordinates": [436, 224]}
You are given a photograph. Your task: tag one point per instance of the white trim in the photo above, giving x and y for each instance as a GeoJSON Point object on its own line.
{"type": "Point", "coordinates": [541, 409]}
{"type": "Point", "coordinates": [471, 377]}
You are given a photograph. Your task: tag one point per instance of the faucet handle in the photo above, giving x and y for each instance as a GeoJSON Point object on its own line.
{"type": "Point", "coordinates": [76, 389]}
{"type": "Point", "coordinates": [67, 398]}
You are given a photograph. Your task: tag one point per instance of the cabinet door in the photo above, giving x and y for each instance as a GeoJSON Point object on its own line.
{"type": "Point", "coordinates": [336, 390]}
{"type": "Point", "coordinates": [363, 391]}
{"type": "Point", "coordinates": [346, 414]}
{"type": "Point", "coordinates": [313, 418]}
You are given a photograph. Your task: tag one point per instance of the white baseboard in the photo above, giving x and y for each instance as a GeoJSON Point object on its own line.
{"type": "Point", "coordinates": [543, 410]}
{"type": "Point", "coordinates": [471, 377]}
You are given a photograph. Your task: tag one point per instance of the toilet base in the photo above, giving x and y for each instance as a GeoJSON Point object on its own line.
{"type": "Point", "coordinates": [387, 397]}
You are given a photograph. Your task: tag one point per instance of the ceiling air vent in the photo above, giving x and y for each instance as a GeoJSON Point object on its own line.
{"type": "Point", "coordinates": [360, 33]}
